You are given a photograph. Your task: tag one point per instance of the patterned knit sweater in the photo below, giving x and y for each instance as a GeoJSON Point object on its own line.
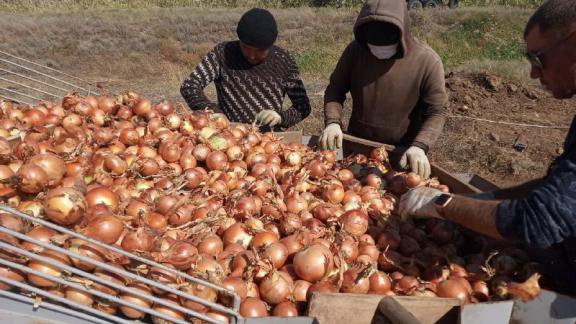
{"type": "Point", "coordinates": [244, 90]}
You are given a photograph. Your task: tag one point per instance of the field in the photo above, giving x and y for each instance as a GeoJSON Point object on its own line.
{"type": "Point", "coordinates": [150, 46]}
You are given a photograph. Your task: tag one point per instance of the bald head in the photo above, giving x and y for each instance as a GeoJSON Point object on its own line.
{"type": "Point", "coordinates": [556, 18]}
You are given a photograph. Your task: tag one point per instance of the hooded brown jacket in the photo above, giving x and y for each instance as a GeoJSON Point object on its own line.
{"type": "Point", "coordinates": [399, 101]}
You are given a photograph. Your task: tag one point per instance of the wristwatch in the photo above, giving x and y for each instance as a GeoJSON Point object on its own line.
{"type": "Point", "coordinates": [443, 200]}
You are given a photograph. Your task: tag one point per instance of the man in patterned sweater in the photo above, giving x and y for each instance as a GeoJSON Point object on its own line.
{"type": "Point", "coordinates": [251, 75]}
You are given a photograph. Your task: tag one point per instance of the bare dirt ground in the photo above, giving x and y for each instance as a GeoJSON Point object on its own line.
{"type": "Point", "coordinates": [486, 148]}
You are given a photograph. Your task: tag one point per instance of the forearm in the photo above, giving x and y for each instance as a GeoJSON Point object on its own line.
{"type": "Point", "coordinates": [300, 104]}
{"type": "Point", "coordinates": [431, 128]}
{"type": "Point", "coordinates": [204, 73]}
{"type": "Point", "coordinates": [477, 215]}
{"type": "Point", "coordinates": [194, 96]}
{"type": "Point", "coordinates": [333, 113]}
{"type": "Point", "coordinates": [517, 192]}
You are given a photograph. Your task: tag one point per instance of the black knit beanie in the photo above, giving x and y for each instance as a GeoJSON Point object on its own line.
{"type": "Point", "coordinates": [257, 28]}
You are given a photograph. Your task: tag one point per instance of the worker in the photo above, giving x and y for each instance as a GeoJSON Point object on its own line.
{"type": "Point", "coordinates": [397, 86]}
{"type": "Point", "coordinates": [251, 75]}
{"type": "Point", "coordinates": [542, 212]}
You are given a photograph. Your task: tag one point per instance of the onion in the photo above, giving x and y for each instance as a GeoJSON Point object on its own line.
{"type": "Point", "coordinates": [143, 106]}
{"type": "Point", "coordinates": [162, 276]}
{"type": "Point", "coordinates": [408, 246]}
{"type": "Point", "coordinates": [321, 287]}
{"type": "Point", "coordinates": [79, 296]}
{"type": "Point", "coordinates": [349, 249]}
{"type": "Point", "coordinates": [264, 239]}
{"type": "Point", "coordinates": [389, 260]}
{"type": "Point", "coordinates": [277, 253]}
{"type": "Point", "coordinates": [388, 240]}
{"type": "Point", "coordinates": [295, 204]}
{"type": "Point", "coordinates": [88, 250]}
{"type": "Point", "coordinates": [334, 194]}
{"type": "Point", "coordinates": [253, 307]}
{"type": "Point", "coordinates": [237, 233]}
{"type": "Point", "coordinates": [354, 222]}
{"type": "Point", "coordinates": [216, 160]}
{"type": "Point", "coordinates": [109, 276]}
{"type": "Point", "coordinates": [317, 169]}
{"type": "Point", "coordinates": [379, 154]}
{"type": "Point", "coordinates": [33, 118]}
{"type": "Point", "coordinates": [12, 274]}
{"type": "Point", "coordinates": [106, 229]}
{"type": "Point", "coordinates": [313, 263]}
{"type": "Point", "coordinates": [276, 287]}
{"type": "Point", "coordinates": [301, 290]}
{"type": "Point", "coordinates": [480, 291]}
{"type": "Point", "coordinates": [285, 309]}
{"type": "Point", "coordinates": [138, 241]}
{"type": "Point", "coordinates": [355, 282]}
{"type": "Point", "coordinates": [65, 206]}
{"type": "Point", "coordinates": [47, 269]}
{"type": "Point", "coordinates": [198, 290]}
{"type": "Point", "coordinates": [380, 283]}
{"type": "Point", "coordinates": [290, 223]}
{"type": "Point", "coordinates": [234, 284]}
{"type": "Point", "coordinates": [167, 310]}
{"type": "Point", "coordinates": [181, 255]}
{"type": "Point", "coordinates": [413, 180]}
{"type": "Point", "coordinates": [32, 208]}
{"type": "Point", "coordinates": [132, 312]}
{"type": "Point", "coordinates": [102, 195]}
{"type": "Point", "coordinates": [374, 181]}
{"type": "Point", "coordinates": [406, 285]}
{"type": "Point", "coordinates": [211, 245]}
{"type": "Point", "coordinates": [12, 222]}
{"type": "Point", "coordinates": [31, 178]}
{"type": "Point", "coordinates": [40, 233]}
{"type": "Point", "coordinates": [52, 164]}
{"type": "Point", "coordinates": [452, 289]}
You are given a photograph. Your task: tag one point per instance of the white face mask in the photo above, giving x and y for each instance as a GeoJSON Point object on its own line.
{"type": "Point", "coordinates": [383, 52]}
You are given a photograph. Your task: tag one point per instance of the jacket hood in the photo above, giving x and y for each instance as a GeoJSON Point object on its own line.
{"type": "Point", "coordinates": [391, 11]}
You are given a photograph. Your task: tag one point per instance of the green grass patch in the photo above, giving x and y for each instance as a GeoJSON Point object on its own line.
{"type": "Point", "coordinates": [464, 35]}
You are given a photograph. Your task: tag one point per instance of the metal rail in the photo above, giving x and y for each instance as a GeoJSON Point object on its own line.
{"type": "Point", "coordinates": [232, 312]}
{"type": "Point", "coordinates": [28, 78]}
{"type": "Point", "coordinates": [29, 87]}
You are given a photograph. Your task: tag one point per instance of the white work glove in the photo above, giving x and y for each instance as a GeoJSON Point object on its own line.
{"type": "Point", "coordinates": [269, 118]}
{"type": "Point", "coordinates": [331, 138]}
{"type": "Point", "coordinates": [416, 159]}
{"type": "Point", "coordinates": [419, 202]}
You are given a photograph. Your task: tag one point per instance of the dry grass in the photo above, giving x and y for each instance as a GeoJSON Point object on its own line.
{"type": "Point", "coordinates": [77, 5]}
{"type": "Point", "coordinates": [151, 50]}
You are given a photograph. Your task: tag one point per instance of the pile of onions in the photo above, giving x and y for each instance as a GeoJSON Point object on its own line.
{"type": "Point", "coordinates": [273, 222]}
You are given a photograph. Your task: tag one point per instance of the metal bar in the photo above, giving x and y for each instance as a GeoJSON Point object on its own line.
{"type": "Point", "coordinates": [61, 299]}
{"type": "Point", "coordinates": [21, 94]}
{"type": "Point", "coordinates": [29, 87]}
{"type": "Point", "coordinates": [32, 79]}
{"type": "Point", "coordinates": [44, 74]}
{"type": "Point", "coordinates": [57, 308]}
{"type": "Point", "coordinates": [14, 99]}
{"type": "Point", "coordinates": [43, 66]}
{"type": "Point", "coordinates": [90, 290]}
{"type": "Point", "coordinates": [122, 252]}
{"type": "Point", "coordinates": [100, 280]}
{"type": "Point", "coordinates": [82, 288]}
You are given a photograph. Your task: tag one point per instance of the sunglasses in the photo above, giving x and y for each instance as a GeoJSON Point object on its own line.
{"type": "Point", "coordinates": [536, 59]}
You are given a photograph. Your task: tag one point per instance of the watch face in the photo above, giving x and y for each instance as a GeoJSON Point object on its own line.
{"type": "Point", "coordinates": [442, 199]}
